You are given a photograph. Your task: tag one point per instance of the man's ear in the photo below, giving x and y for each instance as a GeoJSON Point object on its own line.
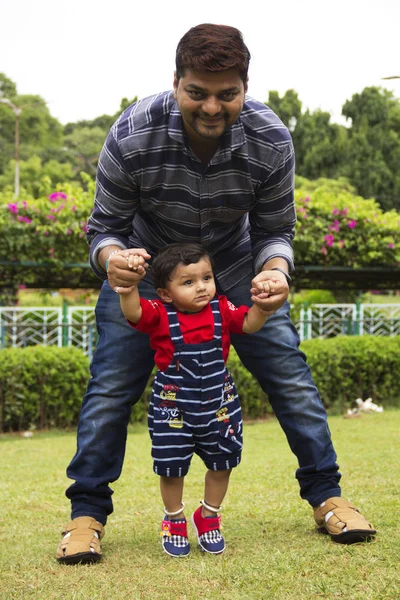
{"type": "Point", "coordinates": [246, 85]}
{"type": "Point", "coordinates": [164, 295]}
{"type": "Point", "coordinates": [176, 83]}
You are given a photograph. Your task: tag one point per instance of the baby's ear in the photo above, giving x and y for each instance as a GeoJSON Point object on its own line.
{"type": "Point", "coordinates": [164, 295]}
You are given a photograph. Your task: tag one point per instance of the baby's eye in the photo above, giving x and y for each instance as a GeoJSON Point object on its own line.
{"type": "Point", "coordinates": [207, 277]}
{"type": "Point", "coordinates": [188, 282]}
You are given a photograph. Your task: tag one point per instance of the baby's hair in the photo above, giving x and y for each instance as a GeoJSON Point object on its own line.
{"type": "Point", "coordinates": [168, 258]}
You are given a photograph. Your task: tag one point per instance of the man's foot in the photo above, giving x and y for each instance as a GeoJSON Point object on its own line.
{"type": "Point", "coordinates": [208, 532]}
{"type": "Point", "coordinates": [342, 521]}
{"type": "Point", "coordinates": [174, 537]}
{"type": "Point", "coordinates": [81, 541]}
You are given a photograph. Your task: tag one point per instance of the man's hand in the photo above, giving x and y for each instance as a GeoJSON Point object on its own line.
{"type": "Point", "coordinates": [269, 291]}
{"type": "Point", "coordinates": [126, 268]}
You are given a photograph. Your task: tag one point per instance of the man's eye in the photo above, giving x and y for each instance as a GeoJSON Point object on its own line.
{"type": "Point", "coordinates": [228, 96]}
{"type": "Point", "coordinates": [196, 95]}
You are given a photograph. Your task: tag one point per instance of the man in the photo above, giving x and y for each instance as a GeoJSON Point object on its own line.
{"type": "Point", "coordinates": [201, 164]}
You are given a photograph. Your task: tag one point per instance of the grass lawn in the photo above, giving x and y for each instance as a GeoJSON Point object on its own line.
{"type": "Point", "coordinates": [273, 550]}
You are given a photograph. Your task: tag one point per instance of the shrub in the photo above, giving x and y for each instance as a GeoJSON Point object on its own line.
{"type": "Point", "coordinates": [42, 387]}
{"type": "Point", "coordinates": [348, 367]}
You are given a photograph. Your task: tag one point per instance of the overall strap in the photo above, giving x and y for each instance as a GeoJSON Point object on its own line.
{"type": "Point", "coordinates": [174, 327]}
{"type": "Point", "coordinates": [217, 319]}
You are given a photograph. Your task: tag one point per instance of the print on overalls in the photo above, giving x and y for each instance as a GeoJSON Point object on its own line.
{"type": "Point", "coordinates": [228, 387]}
{"type": "Point", "coordinates": [169, 411]}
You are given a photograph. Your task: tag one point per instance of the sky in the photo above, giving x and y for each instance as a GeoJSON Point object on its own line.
{"type": "Point", "coordinates": [83, 56]}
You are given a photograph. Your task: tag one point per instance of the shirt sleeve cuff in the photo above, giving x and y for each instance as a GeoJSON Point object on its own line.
{"type": "Point", "coordinates": [275, 251]}
{"type": "Point", "coordinates": [100, 242]}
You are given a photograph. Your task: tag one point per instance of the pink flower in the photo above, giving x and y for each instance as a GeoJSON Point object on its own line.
{"type": "Point", "coordinates": [341, 243]}
{"type": "Point", "coordinates": [324, 250]}
{"type": "Point", "coordinates": [352, 224]}
{"type": "Point", "coordinates": [391, 245]}
{"type": "Point", "coordinates": [50, 217]}
{"type": "Point", "coordinates": [307, 199]}
{"type": "Point", "coordinates": [57, 196]}
{"type": "Point", "coordinates": [69, 231]}
{"type": "Point", "coordinates": [335, 226]}
{"type": "Point", "coordinates": [329, 239]}
{"type": "Point", "coordinates": [336, 211]}
{"type": "Point", "coordinates": [24, 219]}
{"type": "Point", "coordinates": [13, 208]}
{"type": "Point", "coordinates": [73, 208]}
{"type": "Point", "coordinates": [45, 233]}
{"type": "Point", "coordinates": [21, 286]}
{"type": "Point", "coordinates": [345, 211]}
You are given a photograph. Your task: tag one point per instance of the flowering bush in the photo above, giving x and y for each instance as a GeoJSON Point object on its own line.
{"type": "Point", "coordinates": [49, 229]}
{"type": "Point", "coordinates": [336, 227]}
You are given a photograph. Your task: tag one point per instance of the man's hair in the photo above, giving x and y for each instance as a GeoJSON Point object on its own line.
{"type": "Point", "coordinates": [167, 259]}
{"type": "Point", "coordinates": [210, 47]}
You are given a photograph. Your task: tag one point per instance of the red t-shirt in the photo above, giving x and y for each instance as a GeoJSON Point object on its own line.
{"type": "Point", "coordinates": [196, 327]}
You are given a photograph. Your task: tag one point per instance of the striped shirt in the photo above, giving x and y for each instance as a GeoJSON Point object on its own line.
{"type": "Point", "coordinates": [152, 190]}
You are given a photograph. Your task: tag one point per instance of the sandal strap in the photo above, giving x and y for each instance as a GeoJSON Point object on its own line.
{"type": "Point", "coordinates": [81, 539]}
{"type": "Point", "coordinates": [338, 514]}
{"type": "Point", "coordinates": [84, 523]}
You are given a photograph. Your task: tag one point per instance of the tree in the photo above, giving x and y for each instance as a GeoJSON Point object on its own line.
{"type": "Point", "coordinates": [288, 108]}
{"type": "Point", "coordinates": [319, 144]}
{"type": "Point", "coordinates": [83, 147]}
{"type": "Point", "coordinates": [8, 89]}
{"type": "Point", "coordinates": [37, 128]}
{"type": "Point", "coordinates": [373, 151]}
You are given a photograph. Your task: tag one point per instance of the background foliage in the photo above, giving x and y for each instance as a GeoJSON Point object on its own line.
{"type": "Point", "coordinates": [335, 226]}
{"type": "Point", "coordinates": [366, 151]}
{"type": "Point", "coordinates": [42, 387]}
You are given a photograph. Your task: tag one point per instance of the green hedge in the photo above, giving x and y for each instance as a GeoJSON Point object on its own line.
{"type": "Point", "coordinates": [349, 367]}
{"type": "Point", "coordinates": [42, 387]}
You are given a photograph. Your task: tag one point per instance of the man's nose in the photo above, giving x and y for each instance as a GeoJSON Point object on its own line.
{"type": "Point", "coordinates": [211, 105]}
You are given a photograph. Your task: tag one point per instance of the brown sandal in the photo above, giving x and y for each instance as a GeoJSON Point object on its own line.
{"type": "Point", "coordinates": [81, 541]}
{"type": "Point", "coordinates": [342, 521]}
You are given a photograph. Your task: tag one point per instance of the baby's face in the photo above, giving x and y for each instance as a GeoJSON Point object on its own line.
{"type": "Point", "coordinates": [191, 287]}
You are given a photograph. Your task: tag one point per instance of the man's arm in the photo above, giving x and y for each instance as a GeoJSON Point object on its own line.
{"type": "Point", "coordinates": [273, 219]}
{"type": "Point", "coordinates": [272, 231]}
{"type": "Point", "coordinates": [116, 202]}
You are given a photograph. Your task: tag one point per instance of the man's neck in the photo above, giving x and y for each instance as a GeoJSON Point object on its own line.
{"type": "Point", "coordinates": [204, 151]}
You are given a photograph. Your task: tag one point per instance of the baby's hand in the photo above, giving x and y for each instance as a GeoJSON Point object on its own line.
{"type": "Point", "coordinates": [135, 262]}
{"type": "Point", "coordinates": [264, 287]}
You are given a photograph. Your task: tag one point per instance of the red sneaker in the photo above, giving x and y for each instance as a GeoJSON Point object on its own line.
{"type": "Point", "coordinates": [208, 532]}
{"type": "Point", "coordinates": [174, 537]}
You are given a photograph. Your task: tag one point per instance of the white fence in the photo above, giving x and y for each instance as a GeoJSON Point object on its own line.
{"type": "Point", "coordinates": [330, 320]}
{"type": "Point", "coordinates": [64, 326]}
{"type": "Point", "coordinates": [75, 325]}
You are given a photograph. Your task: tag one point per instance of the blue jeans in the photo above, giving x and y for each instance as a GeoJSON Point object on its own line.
{"type": "Point", "coordinates": [121, 367]}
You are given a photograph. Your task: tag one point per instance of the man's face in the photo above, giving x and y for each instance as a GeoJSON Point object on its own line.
{"type": "Point", "coordinates": [209, 102]}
